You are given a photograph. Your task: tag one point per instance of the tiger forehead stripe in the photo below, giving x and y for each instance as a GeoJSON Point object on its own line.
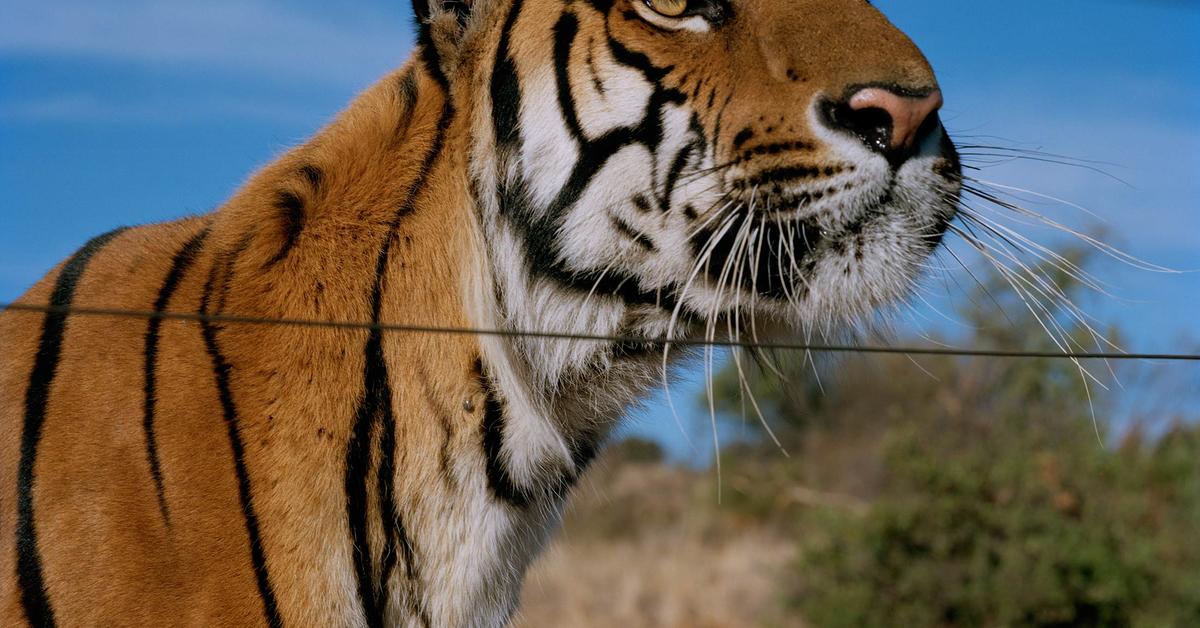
{"type": "Point", "coordinates": [557, 202]}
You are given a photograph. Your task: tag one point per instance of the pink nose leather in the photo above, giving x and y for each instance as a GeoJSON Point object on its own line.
{"type": "Point", "coordinates": [908, 114]}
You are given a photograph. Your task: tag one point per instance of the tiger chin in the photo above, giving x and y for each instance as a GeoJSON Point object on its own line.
{"type": "Point", "coordinates": [630, 168]}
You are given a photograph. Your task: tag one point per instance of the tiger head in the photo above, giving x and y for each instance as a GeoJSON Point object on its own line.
{"type": "Point", "coordinates": [713, 158]}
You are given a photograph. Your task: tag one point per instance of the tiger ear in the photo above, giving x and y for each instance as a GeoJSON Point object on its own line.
{"type": "Point", "coordinates": [427, 10]}
{"type": "Point", "coordinates": [443, 26]}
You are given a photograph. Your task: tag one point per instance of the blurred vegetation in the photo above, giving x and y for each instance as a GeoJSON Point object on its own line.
{"type": "Point", "coordinates": [917, 492]}
{"type": "Point", "coordinates": [988, 494]}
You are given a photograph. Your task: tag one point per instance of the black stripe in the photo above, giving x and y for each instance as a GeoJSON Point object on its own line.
{"type": "Point", "coordinates": [376, 407]}
{"type": "Point", "coordinates": [229, 258]}
{"type": "Point", "coordinates": [291, 218]}
{"type": "Point", "coordinates": [584, 448]}
{"type": "Point", "coordinates": [677, 166]}
{"type": "Point", "coordinates": [500, 483]}
{"type": "Point", "coordinates": [776, 148]}
{"type": "Point", "coordinates": [716, 134]}
{"type": "Point", "coordinates": [394, 526]}
{"type": "Point", "coordinates": [565, 32]}
{"type": "Point", "coordinates": [506, 88]}
{"type": "Point", "coordinates": [540, 232]}
{"type": "Point", "coordinates": [430, 57]}
{"type": "Point", "coordinates": [557, 478]}
{"type": "Point", "coordinates": [639, 60]}
{"type": "Point", "coordinates": [786, 174]}
{"type": "Point", "coordinates": [409, 91]}
{"type": "Point", "coordinates": [291, 211]}
{"type": "Point", "coordinates": [541, 229]}
{"type": "Point", "coordinates": [542, 254]}
{"type": "Point", "coordinates": [358, 463]}
{"type": "Point", "coordinates": [34, 598]}
{"type": "Point", "coordinates": [221, 371]}
{"type": "Point", "coordinates": [627, 230]}
{"type": "Point", "coordinates": [182, 262]}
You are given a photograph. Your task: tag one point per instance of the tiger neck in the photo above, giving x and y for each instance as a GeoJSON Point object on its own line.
{"type": "Point", "coordinates": [551, 402]}
{"type": "Point", "coordinates": [547, 404]}
{"type": "Point", "coordinates": [397, 218]}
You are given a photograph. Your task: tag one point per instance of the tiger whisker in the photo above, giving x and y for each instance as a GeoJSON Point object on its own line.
{"type": "Point", "coordinates": [730, 270]}
{"type": "Point", "coordinates": [979, 283]}
{"type": "Point", "coordinates": [1030, 300]}
{"type": "Point", "coordinates": [1043, 254]}
{"type": "Point", "coordinates": [1010, 189]}
{"type": "Point", "coordinates": [734, 321]}
{"type": "Point", "coordinates": [1103, 247]}
{"type": "Point", "coordinates": [1052, 291]}
{"type": "Point", "coordinates": [701, 261]}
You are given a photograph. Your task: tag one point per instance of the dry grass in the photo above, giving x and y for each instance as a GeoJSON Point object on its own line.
{"type": "Point", "coordinates": [647, 545]}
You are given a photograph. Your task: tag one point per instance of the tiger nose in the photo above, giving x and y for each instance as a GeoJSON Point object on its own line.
{"type": "Point", "coordinates": [888, 121]}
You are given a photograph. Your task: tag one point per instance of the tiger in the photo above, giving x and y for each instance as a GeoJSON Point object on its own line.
{"type": "Point", "coordinates": [590, 184]}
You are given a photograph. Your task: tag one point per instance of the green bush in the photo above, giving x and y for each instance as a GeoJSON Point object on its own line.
{"type": "Point", "coordinates": [1006, 529]}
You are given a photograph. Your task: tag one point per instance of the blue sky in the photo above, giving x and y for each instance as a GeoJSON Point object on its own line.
{"type": "Point", "coordinates": [121, 112]}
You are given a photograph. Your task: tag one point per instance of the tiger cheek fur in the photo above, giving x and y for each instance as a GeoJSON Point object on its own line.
{"type": "Point", "coordinates": [588, 166]}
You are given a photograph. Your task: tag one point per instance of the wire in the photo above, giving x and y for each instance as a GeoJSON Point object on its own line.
{"type": "Point", "coordinates": [546, 335]}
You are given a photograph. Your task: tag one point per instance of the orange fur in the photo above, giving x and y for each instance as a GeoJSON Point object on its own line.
{"type": "Point", "coordinates": [302, 240]}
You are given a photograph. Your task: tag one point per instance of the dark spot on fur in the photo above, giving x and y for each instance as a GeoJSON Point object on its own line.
{"type": "Point", "coordinates": [313, 175]}
{"type": "Point", "coordinates": [291, 218]}
{"type": "Point", "coordinates": [741, 138]}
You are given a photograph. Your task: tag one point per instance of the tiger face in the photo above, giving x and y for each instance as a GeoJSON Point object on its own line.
{"type": "Point", "coordinates": [724, 158]}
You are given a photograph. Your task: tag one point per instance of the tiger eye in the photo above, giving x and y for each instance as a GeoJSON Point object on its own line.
{"type": "Point", "coordinates": [669, 8]}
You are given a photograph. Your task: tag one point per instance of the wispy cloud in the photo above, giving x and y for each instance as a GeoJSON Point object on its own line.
{"type": "Point", "coordinates": [256, 37]}
{"type": "Point", "coordinates": [89, 108]}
